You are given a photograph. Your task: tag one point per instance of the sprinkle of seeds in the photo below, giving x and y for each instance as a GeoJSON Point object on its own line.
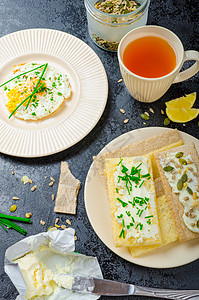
{"type": "Point", "coordinates": [151, 110]}
{"type": "Point", "coordinates": [144, 123]}
{"type": "Point", "coordinates": [13, 208]}
{"type": "Point", "coordinates": [42, 222]}
{"type": "Point", "coordinates": [57, 220]}
{"type": "Point", "coordinates": [57, 226]}
{"type": "Point", "coordinates": [166, 121]}
{"type": "Point", "coordinates": [53, 197]}
{"type": "Point", "coordinates": [30, 180]}
{"type": "Point", "coordinates": [13, 173]}
{"type": "Point", "coordinates": [126, 121]}
{"type": "Point", "coordinates": [51, 183]}
{"type": "Point", "coordinates": [68, 222]}
{"type": "Point", "coordinates": [120, 80]}
{"type": "Point", "coordinates": [15, 198]}
{"type": "Point", "coordinates": [146, 113]}
{"type": "Point", "coordinates": [28, 215]}
{"type": "Point", "coordinates": [63, 227]}
{"type": "Point", "coordinates": [162, 111]}
{"type": "Point", "coordinates": [122, 110]}
{"type": "Point", "coordinates": [52, 179]}
{"type": "Point", "coordinates": [144, 116]}
{"type": "Point", "coordinates": [33, 188]}
{"type": "Point", "coordinates": [75, 237]}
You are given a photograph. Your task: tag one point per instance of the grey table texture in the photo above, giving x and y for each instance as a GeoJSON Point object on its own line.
{"type": "Point", "coordinates": [70, 16]}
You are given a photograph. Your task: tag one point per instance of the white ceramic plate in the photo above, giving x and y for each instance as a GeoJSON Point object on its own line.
{"type": "Point", "coordinates": [73, 120]}
{"type": "Point", "coordinates": [98, 211]}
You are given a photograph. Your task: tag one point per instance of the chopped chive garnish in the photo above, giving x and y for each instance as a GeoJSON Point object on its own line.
{"type": "Point", "coordinates": [33, 114]}
{"type": "Point", "coordinates": [59, 94]}
{"type": "Point", "coordinates": [141, 184]}
{"type": "Point", "coordinates": [149, 217]}
{"type": "Point", "coordinates": [122, 202]}
{"type": "Point", "coordinates": [116, 190]}
{"type": "Point", "coordinates": [145, 175]}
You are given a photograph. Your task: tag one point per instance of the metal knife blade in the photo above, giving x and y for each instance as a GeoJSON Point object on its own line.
{"type": "Point", "coordinates": [101, 286]}
{"type": "Point", "coordinates": [83, 284]}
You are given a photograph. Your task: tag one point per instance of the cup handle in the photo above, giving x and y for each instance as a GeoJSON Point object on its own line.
{"type": "Point", "coordinates": [189, 55]}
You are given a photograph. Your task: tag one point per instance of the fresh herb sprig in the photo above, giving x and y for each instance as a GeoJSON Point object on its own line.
{"type": "Point", "coordinates": [46, 65]}
{"type": "Point", "coordinates": [17, 77]}
{"type": "Point", "coordinates": [25, 220]}
{"type": "Point", "coordinates": [12, 225]}
{"type": "Point", "coordinates": [5, 220]}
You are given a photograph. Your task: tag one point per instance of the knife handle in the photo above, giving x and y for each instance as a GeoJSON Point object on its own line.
{"type": "Point", "coordinates": [166, 293]}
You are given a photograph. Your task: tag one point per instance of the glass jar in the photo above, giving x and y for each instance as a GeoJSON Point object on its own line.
{"type": "Point", "coordinates": [106, 30]}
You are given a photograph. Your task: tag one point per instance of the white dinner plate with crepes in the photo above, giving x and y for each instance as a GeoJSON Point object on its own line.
{"type": "Point", "coordinates": [98, 211]}
{"type": "Point", "coordinates": [71, 122]}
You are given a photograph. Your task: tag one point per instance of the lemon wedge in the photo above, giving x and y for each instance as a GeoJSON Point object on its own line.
{"type": "Point", "coordinates": [185, 102]}
{"type": "Point", "coordinates": [181, 115]}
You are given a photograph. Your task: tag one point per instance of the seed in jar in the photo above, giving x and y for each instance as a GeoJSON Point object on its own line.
{"type": "Point", "coordinates": [112, 7]}
{"type": "Point", "coordinates": [194, 195]}
{"type": "Point", "coordinates": [195, 203]}
{"type": "Point", "coordinates": [168, 168]}
{"type": "Point", "coordinates": [179, 154]}
{"type": "Point", "coordinates": [194, 173]}
{"type": "Point", "coordinates": [186, 198]}
{"type": "Point", "coordinates": [179, 184]}
{"type": "Point", "coordinates": [189, 190]}
{"type": "Point", "coordinates": [183, 161]}
{"type": "Point", "coordinates": [197, 224]}
{"type": "Point", "coordinates": [190, 169]}
{"type": "Point", "coordinates": [192, 224]}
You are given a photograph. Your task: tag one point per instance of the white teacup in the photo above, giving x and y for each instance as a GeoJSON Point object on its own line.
{"type": "Point", "coordinates": [151, 89]}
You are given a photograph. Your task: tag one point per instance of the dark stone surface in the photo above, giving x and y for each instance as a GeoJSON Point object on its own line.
{"type": "Point", "coordinates": [69, 16]}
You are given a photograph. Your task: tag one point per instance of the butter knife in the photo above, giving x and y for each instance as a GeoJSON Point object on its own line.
{"type": "Point", "coordinates": [105, 287]}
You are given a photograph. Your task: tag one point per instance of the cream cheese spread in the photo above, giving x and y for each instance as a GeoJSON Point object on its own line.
{"type": "Point", "coordinates": [181, 173]}
{"type": "Point", "coordinates": [135, 200]}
